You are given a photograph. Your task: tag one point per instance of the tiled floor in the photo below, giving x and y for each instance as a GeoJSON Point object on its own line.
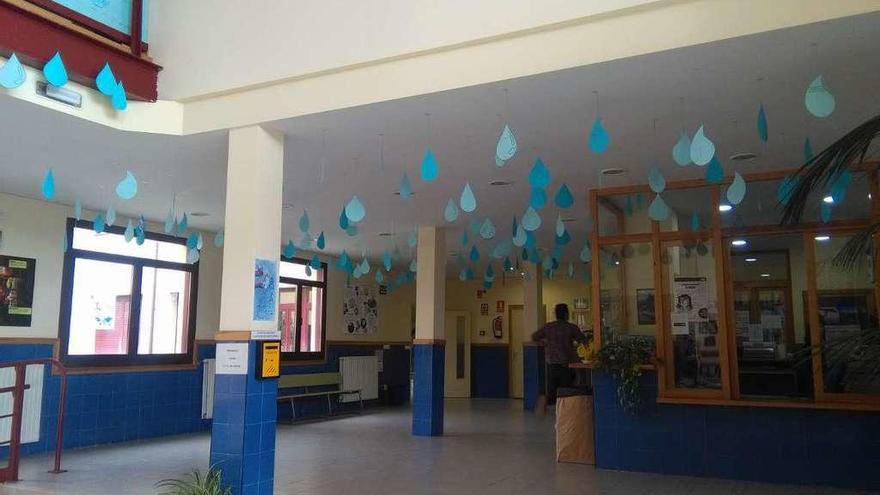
{"type": "Point", "coordinates": [490, 447]}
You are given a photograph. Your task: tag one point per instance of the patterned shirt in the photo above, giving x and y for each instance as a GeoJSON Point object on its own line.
{"type": "Point", "coordinates": [559, 341]}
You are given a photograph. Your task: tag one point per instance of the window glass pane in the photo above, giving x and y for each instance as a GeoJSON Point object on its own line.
{"type": "Point", "coordinates": [769, 296]}
{"type": "Point", "coordinates": [287, 315]}
{"type": "Point", "coordinates": [690, 309]}
{"type": "Point", "coordinates": [627, 292]}
{"type": "Point", "coordinates": [164, 318]}
{"type": "Point", "coordinates": [848, 319]}
{"type": "Point", "coordinates": [683, 204]}
{"type": "Point", "coordinates": [100, 308]}
{"type": "Point", "coordinates": [298, 271]}
{"type": "Point", "coordinates": [89, 240]}
{"type": "Point", "coordinates": [312, 319]}
{"type": "Point", "coordinates": [624, 214]}
{"type": "Point", "coordinates": [610, 217]}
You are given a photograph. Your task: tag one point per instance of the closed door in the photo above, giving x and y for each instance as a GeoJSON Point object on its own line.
{"type": "Point", "coordinates": [458, 354]}
{"type": "Point", "coordinates": [516, 352]}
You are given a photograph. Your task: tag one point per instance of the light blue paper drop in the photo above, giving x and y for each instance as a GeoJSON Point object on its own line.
{"type": "Point", "coordinates": [468, 201]}
{"type": "Point", "coordinates": [12, 75]}
{"type": "Point", "coordinates": [200, 243]}
{"type": "Point", "coordinates": [825, 212]}
{"type": "Point", "coordinates": [570, 270]}
{"type": "Point", "coordinates": [304, 221]}
{"type": "Point", "coordinates": [681, 152]}
{"type": "Point", "coordinates": [192, 242]}
{"type": "Point", "coordinates": [170, 222]}
{"type": "Point", "coordinates": [127, 188]}
{"type": "Point", "coordinates": [413, 239]}
{"type": "Point", "coordinates": [531, 240]}
{"type": "Point", "coordinates": [506, 147]}
{"type": "Point", "coordinates": [365, 266]}
{"type": "Point", "coordinates": [714, 172]}
{"type": "Point", "coordinates": [429, 166]}
{"type": "Point", "coordinates": [659, 210]}
{"type": "Point", "coordinates": [289, 249]}
{"type": "Point", "coordinates": [386, 261]}
{"type": "Point", "coordinates": [702, 148]}
{"type": "Point", "coordinates": [564, 198]}
{"type": "Point", "coordinates": [405, 189]}
{"type": "Point", "coordinates": [599, 138]}
{"type": "Point", "coordinates": [308, 271]}
{"type": "Point", "coordinates": [786, 187]}
{"type": "Point", "coordinates": [54, 71]}
{"type": "Point", "coordinates": [695, 221]}
{"type": "Point", "coordinates": [474, 254]}
{"type": "Point", "coordinates": [356, 270]}
{"type": "Point", "coordinates": [819, 102]}
{"type": "Point", "coordinates": [840, 185]}
{"type": "Point", "coordinates": [105, 81]}
{"type": "Point", "coordinates": [111, 216]}
{"type": "Point", "coordinates": [762, 124]}
{"type": "Point", "coordinates": [538, 198]}
{"type": "Point", "coordinates": [450, 213]}
{"type": "Point", "coordinates": [342, 262]}
{"type": "Point", "coordinates": [539, 176]}
{"type": "Point", "coordinates": [140, 234]}
{"type": "Point", "coordinates": [192, 255]}
{"type": "Point", "coordinates": [343, 219]}
{"type": "Point", "coordinates": [77, 209]}
{"type": "Point", "coordinates": [560, 226]}
{"type": "Point", "coordinates": [531, 221]}
{"type": "Point", "coordinates": [586, 253]}
{"type": "Point", "coordinates": [322, 241]}
{"type": "Point", "coordinates": [219, 239]}
{"type": "Point", "coordinates": [487, 230]}
{"type": "Point", "coordinates": [49, 185]}
{"type": "Point", "coordinates": [129, 232]}
{"type": "Point", "coordinates": [119, 99]}
{"type": "Point", "coordinates": [98, 224]}
{"type": "Point", "coordinates": [656, 181]}
{"type": "Point", "coordinates": [379, 277]}
{"type": "Point", "coordinates": [808, 150]}
{"type": "Point", "coordinates": [315, 262]}
{"type": "Point", "coordinates": [413, 265]}
{"type": "Point", "coordinates": [736, 191]}
{"type": "Point", "coordinates": [355, 210]}
{"type": "Point", "coordinates": [563, 239]}
{"type": "Point", "coordinates": [499, 162]}
{"type": "Point", "coordinates": [519, 240]}
{"type": "Point", "coordinates": [183, 224]}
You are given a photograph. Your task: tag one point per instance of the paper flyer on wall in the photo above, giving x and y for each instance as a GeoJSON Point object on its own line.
{"type": "Point", "coordinates": [691, 297]}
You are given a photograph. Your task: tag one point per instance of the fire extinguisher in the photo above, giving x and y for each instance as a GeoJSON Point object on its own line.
{"type": "Point", "coordinates": [497, 327]}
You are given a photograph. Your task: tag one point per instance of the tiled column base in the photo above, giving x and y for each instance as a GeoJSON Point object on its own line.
{"type": "Point", "coordinates": [533, 375]}
{"type": "Point", "coordinates": [243, 432]}
{"type": "Point", "coordinates": [428, 391]}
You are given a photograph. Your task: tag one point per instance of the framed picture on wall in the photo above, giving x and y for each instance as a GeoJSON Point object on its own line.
{"type": "Point", "coordinates": [645, 306]}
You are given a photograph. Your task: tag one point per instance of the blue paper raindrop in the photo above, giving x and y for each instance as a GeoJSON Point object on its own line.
{"type": "Point", "coordinates": [343, 261]}
{"type": "Point", "coordinates": [659, 210]}
{"type": "Point", "coordinates": [413, 239]}
{"type": "Point", "coordinates": [539, 176]}
{"type": "Point", "coordinates": [322, 241]}
{"type": "Point", "coordinates": [702, 148]}
{"type": "Point", "coordinates": [656, 181]}
{"type": "Point", "coordinates": [762, 124]}
{"type": "Point", "coordinates": [127, 188]}
{"type": "Point", "coordinates": [54, 71]}
{"type": "Point", "coordinates": [538, 198]}
{"type": "Point", "coordinates": [563, 198]}
{"type": "Point", "coordinates": [379, 277]}
{"type": "Point", "coordinates": [192, 255]}
{"type": "Point", "coordinates": [468, 201]}
{"type": "Point", "coordinates": [219, 239]}
{"type": "Point", "coordinates": [355, 210]}
{"type": "Point", "coordinates": [474, 254]}
{"type": "Point", "coordinates": [506, 147]}
{"type": "Point", "coordinates": [681, 152]}
{"type": "Point", "coordinates": [183, 224]}
{"type": "Point", "coordinates": [119, 99]}
{"type": "Point", "coordinates": [405, 187]}
{"type": "Point", "coordinates": [819, 102]}
{"type": "Point", "coordinates": [192, 242]}
{"type": "Point", "coordinates": [586, 253]}
{"type": "Point", "coordinates": [531, 221]}
{"type": "Point", "coordinates": [315, 262]}
{"type": "Point", "coordinates": [49, 185]}
{"type": "Point", "coordinates": [111, 216]}
{"type": "Point", "coordinates": [429, 166]}
{"type": "Point", "coordinates": [736, 191]}
{"type": "Point", "coordinates": [450, 213]}
{"type": "Point", "coordinates": [714, 172]}
{"type": "Point", "coordinates": [520, 238]}
{"type": "Point", "coordinates": [413, 265]}
{"type": "Point", "coordinates": [289, 249]}
{"type": "Point", "coordinates": [599, 138]}
{"type": "Point", "coordinates": [386, 261]}
{"type": "Point", "coordinates": [12, 75]}
{"type": "Point", "coordinates": [170, 222]}
{"type": "Point", "coordinates": [304, 221]}
{"type": "Point", "coordinates": [560, 226]}
{"type": "Point", "coordinates": [199, 241]}
{"type": "Point", "coordinates": [343, 219]}
{"type": "Point", "coordinates": [462, 275]}
{"type": "Point", "coordinates": [105, 81]}
{"type": "Point", "coordinates": [98, 224]}
{"type": "Point", "coordinates": [487, 229]}
{"type": "Point", "coordinates": [129, 232]}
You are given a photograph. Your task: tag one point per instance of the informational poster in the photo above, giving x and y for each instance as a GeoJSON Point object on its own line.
{"type": "Point", "coordinates": [691, 296]}
{"type": "Point", "coordinates": [265, 289]}
{"type": "Point", "coordinates": [360, 312]}
{"type": "Point", "coordinates": [16, 290]}
{"type": "Point", "coordinates": [680, 323]}
{"type": "Point", "coordinates": [232, 358]}
{"type": "Point", "coordinates": [484, 309]}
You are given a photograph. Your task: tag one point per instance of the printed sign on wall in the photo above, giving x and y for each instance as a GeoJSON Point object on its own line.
{"type": "Point", "coordinates": [16, 291]}
{"type": "Point", "coordinates": [360, 312]}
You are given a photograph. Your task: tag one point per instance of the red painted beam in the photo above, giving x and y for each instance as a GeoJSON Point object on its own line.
{"type": "Point", "coordinates": [35, 39]}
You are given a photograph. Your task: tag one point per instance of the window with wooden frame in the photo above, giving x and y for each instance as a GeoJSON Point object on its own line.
{"type": "Point", "coordinates": [782, 325]}
{"type": "Point", "coordinates": [126, 303]}
{"type": "Point", "coordinates": [302, 310]}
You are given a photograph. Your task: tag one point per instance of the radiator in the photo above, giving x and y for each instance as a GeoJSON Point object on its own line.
{"type": "Point", "coordinates": [208, 388]}
{"type": "Point", "coordinates": [33, 403]}
{"type": "Point", "coordinates": [359, 372]}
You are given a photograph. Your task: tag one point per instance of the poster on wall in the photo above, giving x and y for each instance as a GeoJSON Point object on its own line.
{"type": "Point", "coordinates": [691, 298]}
{"type": "Point", "coordinates": [16, 291]}
{"type": "Point", "coordinates": [360, 312]}
{"type": "Point", "coordinates": [265, 289]}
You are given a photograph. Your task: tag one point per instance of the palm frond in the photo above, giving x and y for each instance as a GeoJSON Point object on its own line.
{"type": "Point", "coordinates": [817, 174]}
{"type": "Point", "coordinates": [857, 250]}
{"type": "Point", "coordinates": [195, 484]}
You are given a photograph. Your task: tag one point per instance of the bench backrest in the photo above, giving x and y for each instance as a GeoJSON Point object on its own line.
{"type": "Point", "coordinates": [310, 380]}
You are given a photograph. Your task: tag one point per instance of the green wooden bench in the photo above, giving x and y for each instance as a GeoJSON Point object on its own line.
{"type": "Point", "coordinates": [312, 381]}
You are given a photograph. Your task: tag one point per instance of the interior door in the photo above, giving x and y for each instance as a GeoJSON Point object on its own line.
{"type": "Point", "coordinates": [458, 354]}
{"type": "Point", "coordinates": [516, 352]}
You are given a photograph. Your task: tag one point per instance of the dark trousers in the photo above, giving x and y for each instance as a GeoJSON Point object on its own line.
{"type": "Point", "coordinates": [558, 375]}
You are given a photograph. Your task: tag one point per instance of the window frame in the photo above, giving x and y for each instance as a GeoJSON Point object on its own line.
{"type": "Point", "coordinates": [131, 358]}
{"type": "Point", "coordinates": [297, 356]}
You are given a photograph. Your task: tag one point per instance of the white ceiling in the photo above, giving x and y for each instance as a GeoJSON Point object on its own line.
{"type": "Point", "coordinates": [719, 85]}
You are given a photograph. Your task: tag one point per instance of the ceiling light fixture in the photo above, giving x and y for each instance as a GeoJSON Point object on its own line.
{"type": "Point", "coordinates": [385, 234]}
{"type": "Point", "coordinates": [612, 171]}
{"type": "Point", "coordinates": [199, 214]}
{"type": "Point", "coordinates": [743, 157]}
{"type": "Point", "coordinates": [397, 193]}
{"type": "Point", "coordinates": [828, 199]}
{"type": "Point", "coordinates": [738, 242]}
{"type": "Point", "coordinates": [501, 183]}
{"type": "Point", "coordinates": [724, 207]}
{"type": "Point", "coordinates": [823, 238]}
{"type": "Point", "coordinates": [751, 260]}
{"type": "Point", "coordinates": [765, 275]}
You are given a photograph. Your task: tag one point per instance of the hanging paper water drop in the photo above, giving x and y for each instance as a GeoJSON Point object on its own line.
{"type": "Point", "coordinates": [12, 75]}
{"type": "Point", "coordinates": [54, 71]}
{"type": "Point", "coordinates": [737, 189]}
{"type": "Point", "coordinates": [702, 148]}
{"type": "Point", "coordinates": [506, 147]}
{"type": "Point", "coordinates": [429, 166]}
{"type": "Point", "coordinates": [105, 81]}
{"type": "Point", "coordinates": [563, 198]}
{"type": "Point", "coordinates": [127, 188]}
{"type": "Point", "coordinates": [599, 138]}
{"type": "Point", "coordinates": [818, 100]}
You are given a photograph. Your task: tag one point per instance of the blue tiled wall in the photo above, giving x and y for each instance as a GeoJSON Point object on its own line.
{"type": "Point", "coordinates": [114, 407]}
{"type": "Point", "coordinates": [490, 371]}
{"type": "Point", "coordinates": [533, 375]}
{"type": "Point", "coordinates": [243, 433]}
{"type": "Point", "coordinates": [430, 363]}
{"type": "Point", "coordinates": [393, 379]}
{"type": "Point", "coordinates": [794, 446]}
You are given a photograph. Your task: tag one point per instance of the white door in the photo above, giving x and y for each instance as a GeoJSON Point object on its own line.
{"type": "Point", "coordinates": [516, 352]}
{"type": "Point", "coordinates": [458, 354]}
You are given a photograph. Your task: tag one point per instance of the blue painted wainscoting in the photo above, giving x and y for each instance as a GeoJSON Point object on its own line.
{"type": "Point", "coordinates": [533, 374]}
{"type": "Point", "coordinates": [428, 396]}
{"type": "Point", "coordinates": [490, 371]}
{"type": "Point", "coordinates": [115, 407]}
{"type": "Point", "coordinates": [792, 446]}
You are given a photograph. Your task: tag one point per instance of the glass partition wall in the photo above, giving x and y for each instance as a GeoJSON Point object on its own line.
{"type": "Point", "coordinates": [741, 310]}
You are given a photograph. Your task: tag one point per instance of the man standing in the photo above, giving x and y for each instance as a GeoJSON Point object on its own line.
{"type": "Point", "coordinates": [559, 338]}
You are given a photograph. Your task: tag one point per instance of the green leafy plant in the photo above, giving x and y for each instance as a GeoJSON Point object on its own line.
{"type": "Point", "coordinates": [195, 484]}
{"type": "Point", "coordinates": [623, 360]}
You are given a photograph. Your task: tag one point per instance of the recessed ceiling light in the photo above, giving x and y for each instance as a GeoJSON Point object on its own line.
{"type": "Point", "coordinates": [612, 171]}
{"type": "Point", "coordinates": [199, 214]}
{"type": "Point", "coordinates": [822, 238]}
{"type": "Point", "coordinates": [743, 157]}
{"type": "Point", "coordinates": [501, 183]}
{"type": "Point", "coordinates": [569, 220]}
{"type": "Point", "coordinates": [738, 242]}
{"type": "Point", "coordinates": [385, 234]}
{"type": "Point", "coordinates": [616, 262]}
{"type": "Point", "coordinates": [828, 199]}
{"type": "Point", "coordinates": [724, 207]}
{"type": "Point", "coordinates": [751, 260]}
{"type": "Point", "coordinates": [287, 206]}
{"type": "Point", "coordinates": [397, 193]}
{"type": "Point", "coordinates": [765, 275]}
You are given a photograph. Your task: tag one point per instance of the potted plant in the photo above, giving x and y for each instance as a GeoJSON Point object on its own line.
{"type": "Point", "coordinates": [623, 360]}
